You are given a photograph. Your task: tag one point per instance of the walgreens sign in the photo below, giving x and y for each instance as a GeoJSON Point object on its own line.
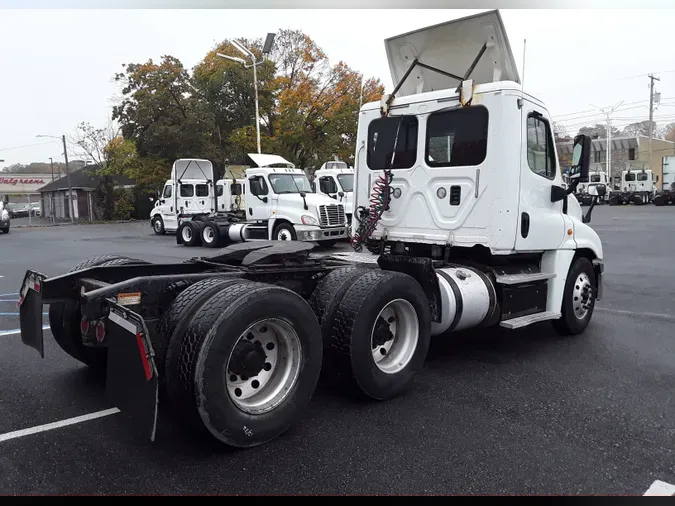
{"type": "Point", "coordinates": [22, 183]}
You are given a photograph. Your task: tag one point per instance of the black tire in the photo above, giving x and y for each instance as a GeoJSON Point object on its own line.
{"type": "Point", "coordinates": [284, 227]}
{"type": "Point", "coordinates": [659, 200]}
{"type": "Point", "coordinates": [5, 230]}
{"type": "Point", "coordinates": [158, 225]}
{"type": "Point", "coordinates": [349, 347]}
{"type": "Point", "coordinates": [328, 244]}
{"type": "Point", "coordinates": [65, 317]}
{"type": "Point", "coordinates": [569, 323]}
{"type": "Point", "coordinates": [199, 217]}
{"type": "Point", "coordinates": [199, 392]}
{"type": "Point", "coordinates": [168, 337]}
{"type": "Point", "coordinates": [190, 233]}
{"type": "Point", "coordinates": [324, 302]}
{"type": "Point", "coordinates": [210, 235]}
{"type": "Point", "coordinates": [613, 201]}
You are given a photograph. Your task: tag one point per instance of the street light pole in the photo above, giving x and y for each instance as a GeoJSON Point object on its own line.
{"type": "Point", "coordinates": [608, 139]}
{"type": "Point", "coordinates": [265, 51]}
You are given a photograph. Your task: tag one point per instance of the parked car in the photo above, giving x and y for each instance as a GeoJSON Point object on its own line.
{"type": "Point", "coordinates": [18, 210]}
{"type": "Point", "coordinates": [35, 209]}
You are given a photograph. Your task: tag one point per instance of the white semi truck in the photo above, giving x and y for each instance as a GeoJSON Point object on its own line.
{"type": "Point", "coordinates": [637, 187]}
{"type": "Point", "coordinates": [336, 180]}
{"type": "Point", "coordinates": [585, 196]}
{"type": "Point", "coordinates": [279, 204]}
{"type": "Point", "coordinates": [458, 193]}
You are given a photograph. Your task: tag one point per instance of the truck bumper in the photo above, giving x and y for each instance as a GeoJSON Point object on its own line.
{"type": "Point", "coordinates": [312, 233]}
{"type": "Point", "coordinates": [132, 383]}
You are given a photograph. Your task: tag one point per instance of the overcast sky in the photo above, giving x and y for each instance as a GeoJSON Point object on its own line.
{"type": "Point", "coordinates": [56, 67]}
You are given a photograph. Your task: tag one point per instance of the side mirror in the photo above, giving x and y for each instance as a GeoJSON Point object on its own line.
{"type": "Point", "coordinates": [599, 190]}
{"type": "Point", "coordinates": [255, 185]}
{"type": "Point", "coordinates": [581, 159]}
{"type": "Point", "coordinates": [264, 199]}
{"type": "Point", "coordinates": [313, 185]}
{"type": "Point", "coordinates": [341, 194]}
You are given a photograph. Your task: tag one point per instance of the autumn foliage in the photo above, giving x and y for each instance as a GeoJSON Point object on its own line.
{"type": "Point", "coordinates": [308, 107]}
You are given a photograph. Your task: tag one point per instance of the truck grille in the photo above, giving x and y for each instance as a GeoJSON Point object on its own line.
{"type": "Point", "coordinates": [332, 215]}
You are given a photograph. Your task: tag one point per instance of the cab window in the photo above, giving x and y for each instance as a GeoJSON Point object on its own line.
{"type": "Point", "coordinates": [202, 190]}
{"type": "Point", "coordinates": [457, 138]}
{"type": "Point", "coordinates": [219, 190]}
{"type": "Point", "coordinates": [167, 191]}
{"type": "Point", "coordinates": [392, 143]}
{"type": "Point", "coordinates": [642, 176]}
{"type": "Point", "coordinates": [187, 190]}
{"type": "Point", "coordinates": [540, 152]}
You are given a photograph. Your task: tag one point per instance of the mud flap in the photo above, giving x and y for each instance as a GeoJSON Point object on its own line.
{"type": "Point", "coordinates": [132, 380]}
{"type": "Point", "coordinates": [30, 311]}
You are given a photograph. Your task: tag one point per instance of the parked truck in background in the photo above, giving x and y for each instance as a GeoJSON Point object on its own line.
{"type": "Point", "coordinates": [336, 180]}
{"type": "Point", "coordinates": [637, 187]}
{"type": "Point", "coordinates": [275, 201]}
{"type": "Point", "coordinates": [457, 189]}
{"type": "Point", "coordinates": [594, 179]}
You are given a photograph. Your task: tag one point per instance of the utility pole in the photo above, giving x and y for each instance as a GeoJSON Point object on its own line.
{"type": "Point", "coordinates": [608, 162]}
{"type": "Point", "coordinates": [51, 163]}
{"type": "Point", "coordinates": [70, 190]}
{"type": "Point", "coordinates": [651, 114]}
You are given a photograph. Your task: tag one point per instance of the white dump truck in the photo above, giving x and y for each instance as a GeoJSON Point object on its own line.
{"type": "Point", "coordinates": [336, 180]}
{"type": "Point", "coordinates": [275, 201]}
{"type": "Point", "coordinates": [637, 187]}
{"type": "Point", "coordinates": [458, 195]}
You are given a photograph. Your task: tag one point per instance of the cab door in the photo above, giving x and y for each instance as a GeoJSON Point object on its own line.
{"type": "Point", "coordinates": [541, 224]}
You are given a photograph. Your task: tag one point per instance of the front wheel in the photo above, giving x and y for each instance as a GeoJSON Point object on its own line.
{"type": "Point", "coordinates": [158, 225]}
{"type": "Point", "coordinates": [284, 232]}
{"type": "Point", "coordinates": [579, 298]}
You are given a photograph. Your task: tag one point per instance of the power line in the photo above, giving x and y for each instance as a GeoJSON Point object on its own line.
{"type": "Point", "coordinates": [25, 146]}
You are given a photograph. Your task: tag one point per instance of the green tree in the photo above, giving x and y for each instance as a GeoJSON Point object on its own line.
{"type": "Point", "coordinates": [163, 112]}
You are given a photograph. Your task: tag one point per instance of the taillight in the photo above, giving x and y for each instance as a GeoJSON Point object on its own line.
{"type": "Point", "coordinates": [84, 326]}
{"type": "Point", "coordinates": [100, 331]}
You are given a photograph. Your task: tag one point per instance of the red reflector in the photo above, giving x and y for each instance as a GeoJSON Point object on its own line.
{"type": "Point", "coordinates": [84, 326]}
{"type": "Point", "coordinates": [18, 304]}
{"type": "Point", "coordinates": [144, 357]}
{"type": "Point", "coordinates": [36, 287]}
{"type": "Point", "coordinates": [100, 332]}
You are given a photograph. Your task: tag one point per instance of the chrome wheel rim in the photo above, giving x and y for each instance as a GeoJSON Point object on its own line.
{"type": "Point", "coordinates": [582, 296]}
{"type": "Point", "coordinates": [158, 226]}
{"type": "Point", "coordinates": [284, 235]}
{"type": "Point", "coordinates": [208, 235]}
{"type": "Point", "coordinates": [187, 234]}
{"type": "Point", "coordinates": [264, 366]}
{"type": "Point", "coordinates": [394, 337]}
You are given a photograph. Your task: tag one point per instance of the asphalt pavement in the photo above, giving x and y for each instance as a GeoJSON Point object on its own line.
{"type": "Point", "coordinates": [496, 412]}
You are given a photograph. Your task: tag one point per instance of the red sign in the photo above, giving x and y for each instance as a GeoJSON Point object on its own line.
{"type": "Point", "coordinates": [14, 181]}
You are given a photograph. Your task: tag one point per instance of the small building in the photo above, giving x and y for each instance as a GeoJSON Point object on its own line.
{"type": "Point", "coordinates": [23, 188]}
{"type": "Point", "coordinates": [84, 184]}
{"type": "Point", "coordinates": [628, 153]}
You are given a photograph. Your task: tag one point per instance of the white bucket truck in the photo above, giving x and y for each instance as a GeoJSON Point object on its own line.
{"type": "Point", "coordinates": [458, 191]}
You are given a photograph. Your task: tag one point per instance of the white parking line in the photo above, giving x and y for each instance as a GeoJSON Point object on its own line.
{"type": "Point", "coordinates": [7, 294]}
{"type": "Point", "coordinates": [9, 300]}
{"type": "Point", "coordinates": [660, 488]}
{"type": "Point", "coordinates": [57, 425]}
{"type": "Point", "coordinates": [668, 317]}
{"type": "Point", "coordinates": [17, 331]}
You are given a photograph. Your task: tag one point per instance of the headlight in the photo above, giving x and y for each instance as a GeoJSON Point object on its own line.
{"type": "Point", "coordinates": [309, 220]}
{"type": "Point", "coordinates": [5, 215]}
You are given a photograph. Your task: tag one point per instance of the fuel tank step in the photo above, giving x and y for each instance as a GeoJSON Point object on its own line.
{"type": "Point", "coordinates": [524, 321]}
{"type": "Point", "coordinates": [521, 278]}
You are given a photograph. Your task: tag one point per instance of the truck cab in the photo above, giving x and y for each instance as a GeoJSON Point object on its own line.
{"type": "Point", "coordinates": [336, 180]}
{"type": "Point", "coordinates": [638, 187]}
{"type": "Point", "coordinates": [459, 162]}
{"type": "Point", "coordinates": [188, 193]}
{"type": "Point", "coordinates": [594, 179]}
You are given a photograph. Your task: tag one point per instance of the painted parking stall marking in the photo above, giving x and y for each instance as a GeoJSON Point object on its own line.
{"type": "Point", "coordinates": [660, 488]}
{"type": "Point", "coordinates": [57, 425]}
{"type": "Point", "coordinates": [17, 331]}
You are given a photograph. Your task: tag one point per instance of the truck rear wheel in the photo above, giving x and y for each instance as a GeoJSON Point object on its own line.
{"type": "Point", "coordinates": [210, 235]}
{"type": "Point", "coordinates": [190, 233]}
{"type": "Point", "coordinates": [173, 325]}
{"type": "Point", "coordinates": [378, 335]}
{"type": "Point", "coordinates": [65, 318]}
{"type": "Point", "coordinates": [248, 365]}
{"type": "Point", "coordinates": [578, 300]}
